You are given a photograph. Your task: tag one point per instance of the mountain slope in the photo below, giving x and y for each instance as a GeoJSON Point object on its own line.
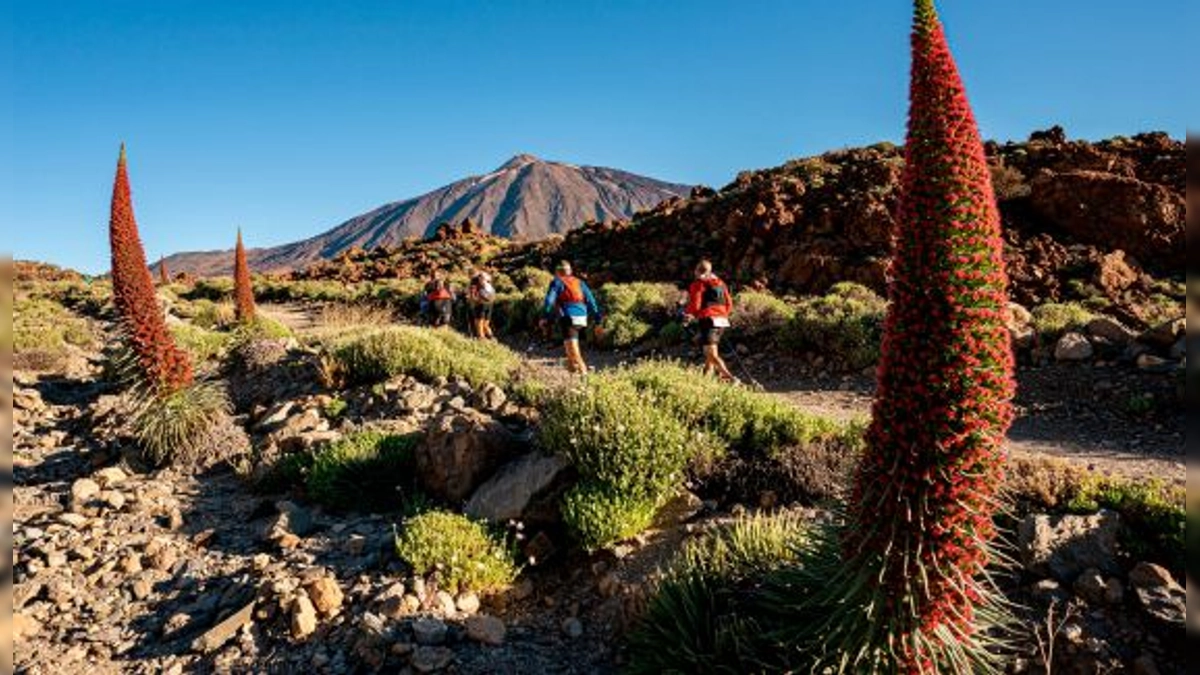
{"type": "Point", "coordinates": [525, 199]}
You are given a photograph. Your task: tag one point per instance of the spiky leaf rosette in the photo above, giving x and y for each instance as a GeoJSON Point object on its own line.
{"type": "Point", "coordinates": [243, 287]}
{"type": "Point", "coordinates": [921, 514]}
{"type": "Point", "coordinates": [162, 365]}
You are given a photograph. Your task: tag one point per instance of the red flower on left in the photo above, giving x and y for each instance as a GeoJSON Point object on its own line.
{"type": "Point", "coordinates": [164, 366]}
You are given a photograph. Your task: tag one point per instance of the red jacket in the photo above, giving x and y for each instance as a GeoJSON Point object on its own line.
{"type": "Point", "coordinates": [709, 297]}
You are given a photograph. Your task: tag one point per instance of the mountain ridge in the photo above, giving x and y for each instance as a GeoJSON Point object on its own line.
{"type": "Point", "coordinates": [524, 199]}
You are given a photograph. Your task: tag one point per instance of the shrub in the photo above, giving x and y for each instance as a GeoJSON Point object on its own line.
{"type": "Point", "coordinates": [1053, 319]}
{"type": "Point", "coordinates": [206, 313]}
{"type": "Point", "coordinates": [261, 328]}
{"type": "Point", "coordinates": [1154, 514]}
{"type": "Point", "coordinates": [461, 552]}
{"type": "Point", "coordinates": [599, 517]}
{"type": "Point", "coordinates": [366, 471]}
{"type": "Point", "coordinates": [518, 312]}
{"type": "Point", "coordinates": [213, 289]}
{"type": "Point", "coordinates": [622, 331]}
{"type": "Point", "coordinates": [630, 456]}
{"type": "Point", "coordinates": [644, 300]}
{"type": "Point", "coordinates": [695, 618]}
{"type": "Point", "coordinates": [845, 326]}
{"type": "Point", "coordinates": [202, 345]}
{"type": "Point", "coordinates": [426, 353]}
{"type": "Point", "coordinates": [756, 313]}
{"type": "Point", "coordinates": [335, 408]}
{"type": "Point", "coordinates": [46, 326]}
{"type": "Point", "coordinates": [532, 279]}
{"type": "Point", "coordinates": [741, 418]}
{"type": "Point", "coordinates": [174, 427]}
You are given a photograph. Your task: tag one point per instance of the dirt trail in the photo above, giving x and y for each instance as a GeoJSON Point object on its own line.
{"type": "Point", "coordinates": [1049, 421]}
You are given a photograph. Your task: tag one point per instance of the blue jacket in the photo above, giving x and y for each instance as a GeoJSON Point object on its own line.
{"type": "Point", "coordinates": [557, 287]}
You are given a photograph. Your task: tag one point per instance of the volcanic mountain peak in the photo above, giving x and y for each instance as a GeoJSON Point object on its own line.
{"type": "Point", "coordinates": [519, 160]}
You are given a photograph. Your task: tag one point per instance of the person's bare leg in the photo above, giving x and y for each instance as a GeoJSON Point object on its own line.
{"type": "Point", "coordinates": [713, 361]}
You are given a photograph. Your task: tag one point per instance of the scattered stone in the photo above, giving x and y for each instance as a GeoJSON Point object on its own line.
{"type": "Point", "coordinates": [110, 477]}
{"type": "Point", "coordinates": [679, 509]}
{"type": "Point", "coordinates": [1152, 362]}
{"type": "Point", "coordinates": [304, 617]}
{"type": "Point", "coordinates": [1159, 595]}
{"type": "Point", "coordinates": [486, 629]}
{"type": "Point", "coordinates": [218, 635]}
{"type": "Point", "coordinates": [445, 602]}
{"type": "Point", "coordinates": [74, 520]}
{"type": "Point", "coordinates": [83, 491]}
{"type": "Point", "coordinates": [1091, 586]}
{"type": "Point", "coordinates": [490, 398]}
{"type": "Point", "coordinates": [1111, 330]}
{"type": "Point", "coordinates": [113, 499]}
{"type": "Point", "coordinates": [141, 588]}
{"type": "Point", "coordinates": [1164, 335]}
{"type": "Point", "coordinates": [428, 630]}
{"type": "Point", "coordinates": [431, 659]}
{"type": "Point", "coordinates": [326, 595]}
{"type": "Point", "coordinates": [507, 494]}
{"type": "Point", "coordinates": [1048, 591]}
{"type": "Point", "coordinates": [1073, 347]}
{"type": "Point", "coordinates": [24, 626]}
{"type": "Point", "coordinates": [163, 558]}
{"type": "Point", "coordinates": [1064, 546]}
{"type": "Point", "coordinates": [572, 628]}
{"type": "Point", "coordinates": [467, 603]}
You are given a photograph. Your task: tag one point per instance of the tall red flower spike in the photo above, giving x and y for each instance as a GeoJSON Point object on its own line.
{"type": "Point", "coordinates": [165, 367]}
{"type": "Point", "coordinates": [163, 276]}
{"type": "Point", "coordinates": [243, 287]}
{"type": "Point", "coordinates": [921, 513]}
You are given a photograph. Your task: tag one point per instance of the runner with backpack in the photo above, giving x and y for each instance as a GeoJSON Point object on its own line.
{"type": "Point", "coordinates": [480, 298]}
{"type": "Point", "coordinates": [710, 304]}
{"type": "Point", "coordinates": [438, 302]}
{"type": "Point", "coordinates": [571, 301]}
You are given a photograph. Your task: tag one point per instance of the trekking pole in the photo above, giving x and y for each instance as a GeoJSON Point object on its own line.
{"type": "Point", "coordinates": [746, 371]}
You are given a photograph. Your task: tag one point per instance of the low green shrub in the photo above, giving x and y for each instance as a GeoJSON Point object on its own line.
{"type": "Point", "coordinates": [45, 325]}
{"type": "Point", "coordinates": [202, 344]}
{"type": "Point", "coordinates": [756, 313]}
{"type": "Point", "coordinates": [205, 313]}
{"type": "Point", "coordinates": [365, 471]}
{"type": "Point", "coordinates": [640, 299]}
{"type": "Point", "coordinates": [692, 622]}
{"type": "Point", "coordinates": [1154, 513]}
{"type": "Point", "coordinates": [461, 552]}
{"type": "Point", "coordinates": [630, 456]}
{"type": "Point", "coordinates": [425, 353]}
{"type": "Point", "coordinates": [598, 516]}
{"type": "Point", "coordinates": [261, 328]}
{"type": "Point", "coordinates": [532, 279]}
{"type": "Point", "coordinates": [210, 288]}
{"type": "Point", "coordinates": [845, 326]}
{"type": "Point", "coordinates": [622, 331]}
{"type": "Point", "coordinates": [335, 408]}
{"type": "Point", "coordinates": [742, 418]}
{"type": "Point", "coordinates": [1053, 319]}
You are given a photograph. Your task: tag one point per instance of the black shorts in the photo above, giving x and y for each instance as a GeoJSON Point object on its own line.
{"type": "Point", "coordinates": [569, 330]}
{"type": "Point", "coordinates": [709, 334]}
{"type": "Point", "coordinates": [441, 311]}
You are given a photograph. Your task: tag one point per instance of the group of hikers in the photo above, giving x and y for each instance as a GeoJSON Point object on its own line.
{"type": "Point", "coordinates": [571, 304]}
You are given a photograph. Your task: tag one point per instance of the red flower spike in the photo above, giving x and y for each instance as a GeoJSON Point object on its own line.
{"type": "Point", "coordinates": [945, 377]}
{"type": "Point", "coordinates": [163, 365]}
{"type": "Point", "coordinates": [243, 287]}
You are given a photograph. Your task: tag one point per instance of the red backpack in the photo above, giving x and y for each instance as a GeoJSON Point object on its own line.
{"type": "Point", "coordinates": [572, 292]}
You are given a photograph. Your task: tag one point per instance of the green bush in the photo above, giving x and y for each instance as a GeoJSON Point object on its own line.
{"type": "Point", "coordinates": [425, 353]}
{"type": "Point", "coordinates": [845, 326]}
{"type": "Point", "coordinates": [692, 623]}
{"type": "Point", "coordinates": [644, 300]}
{"type": "Point", "coordinates": [630, 456]}
{"type": "Point", "coordinates": [622, 331]}
{"type": "Point", "coordinates": [741, 418]}
{"type": "Point", "coordinates": [201, 344]}
{"type": "Point", "coordinates": [261, 328]}
{"type": "Point", "coordinates": [755, 313]}
{"type": "Point", "coordinates": [532, 279]}
{"type": "Point", "coordinates": [335, 408]}
{"type": "Point", "coordinates": [205, 313]}
{"type": "Point", "coordinates": [598, 517]}
{"type": "Point", "coordinates": [41, 324]}
{"type": "Point", "coordinates": [212, 288]}
{"type": "Point", "coordinates": [462, 553]}
{"type": "Point", "coordinates": [366, 471]}
{"type": "Point", "coordinates": [1053, 319]}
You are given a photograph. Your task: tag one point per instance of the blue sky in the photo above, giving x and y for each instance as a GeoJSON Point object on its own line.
{"type": "Point", "coordinates": [287, 117]}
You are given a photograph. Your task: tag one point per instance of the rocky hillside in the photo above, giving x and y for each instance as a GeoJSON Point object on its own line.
{"type": "Point", "coordinates": [526, 199]}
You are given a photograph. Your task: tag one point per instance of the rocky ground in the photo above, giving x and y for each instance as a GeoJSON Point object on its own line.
{"type": "Point", "coordinates": [122, 570]}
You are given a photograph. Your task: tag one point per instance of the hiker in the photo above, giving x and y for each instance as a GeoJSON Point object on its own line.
{"type": "Point", "coordinates": [570, 299]}
{"type": "Point", "coordinates": [438, 303]}
{"type": "Point", "coordinates": [710, 303]}
{"type": "Point", "coordinates": [480, 297]}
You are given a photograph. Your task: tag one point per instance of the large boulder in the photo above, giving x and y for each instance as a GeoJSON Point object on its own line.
{"type": "Point", "coordinates": [1063, 547]}
{"type": "Point", "coordinates": [460, 451]}
{"type": "Point", "coordinates": [1073, 347]}
{"type": "Point", "coordinates": [508, 493]}
{"type": "Point", "coordinates": [1115, 212]}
